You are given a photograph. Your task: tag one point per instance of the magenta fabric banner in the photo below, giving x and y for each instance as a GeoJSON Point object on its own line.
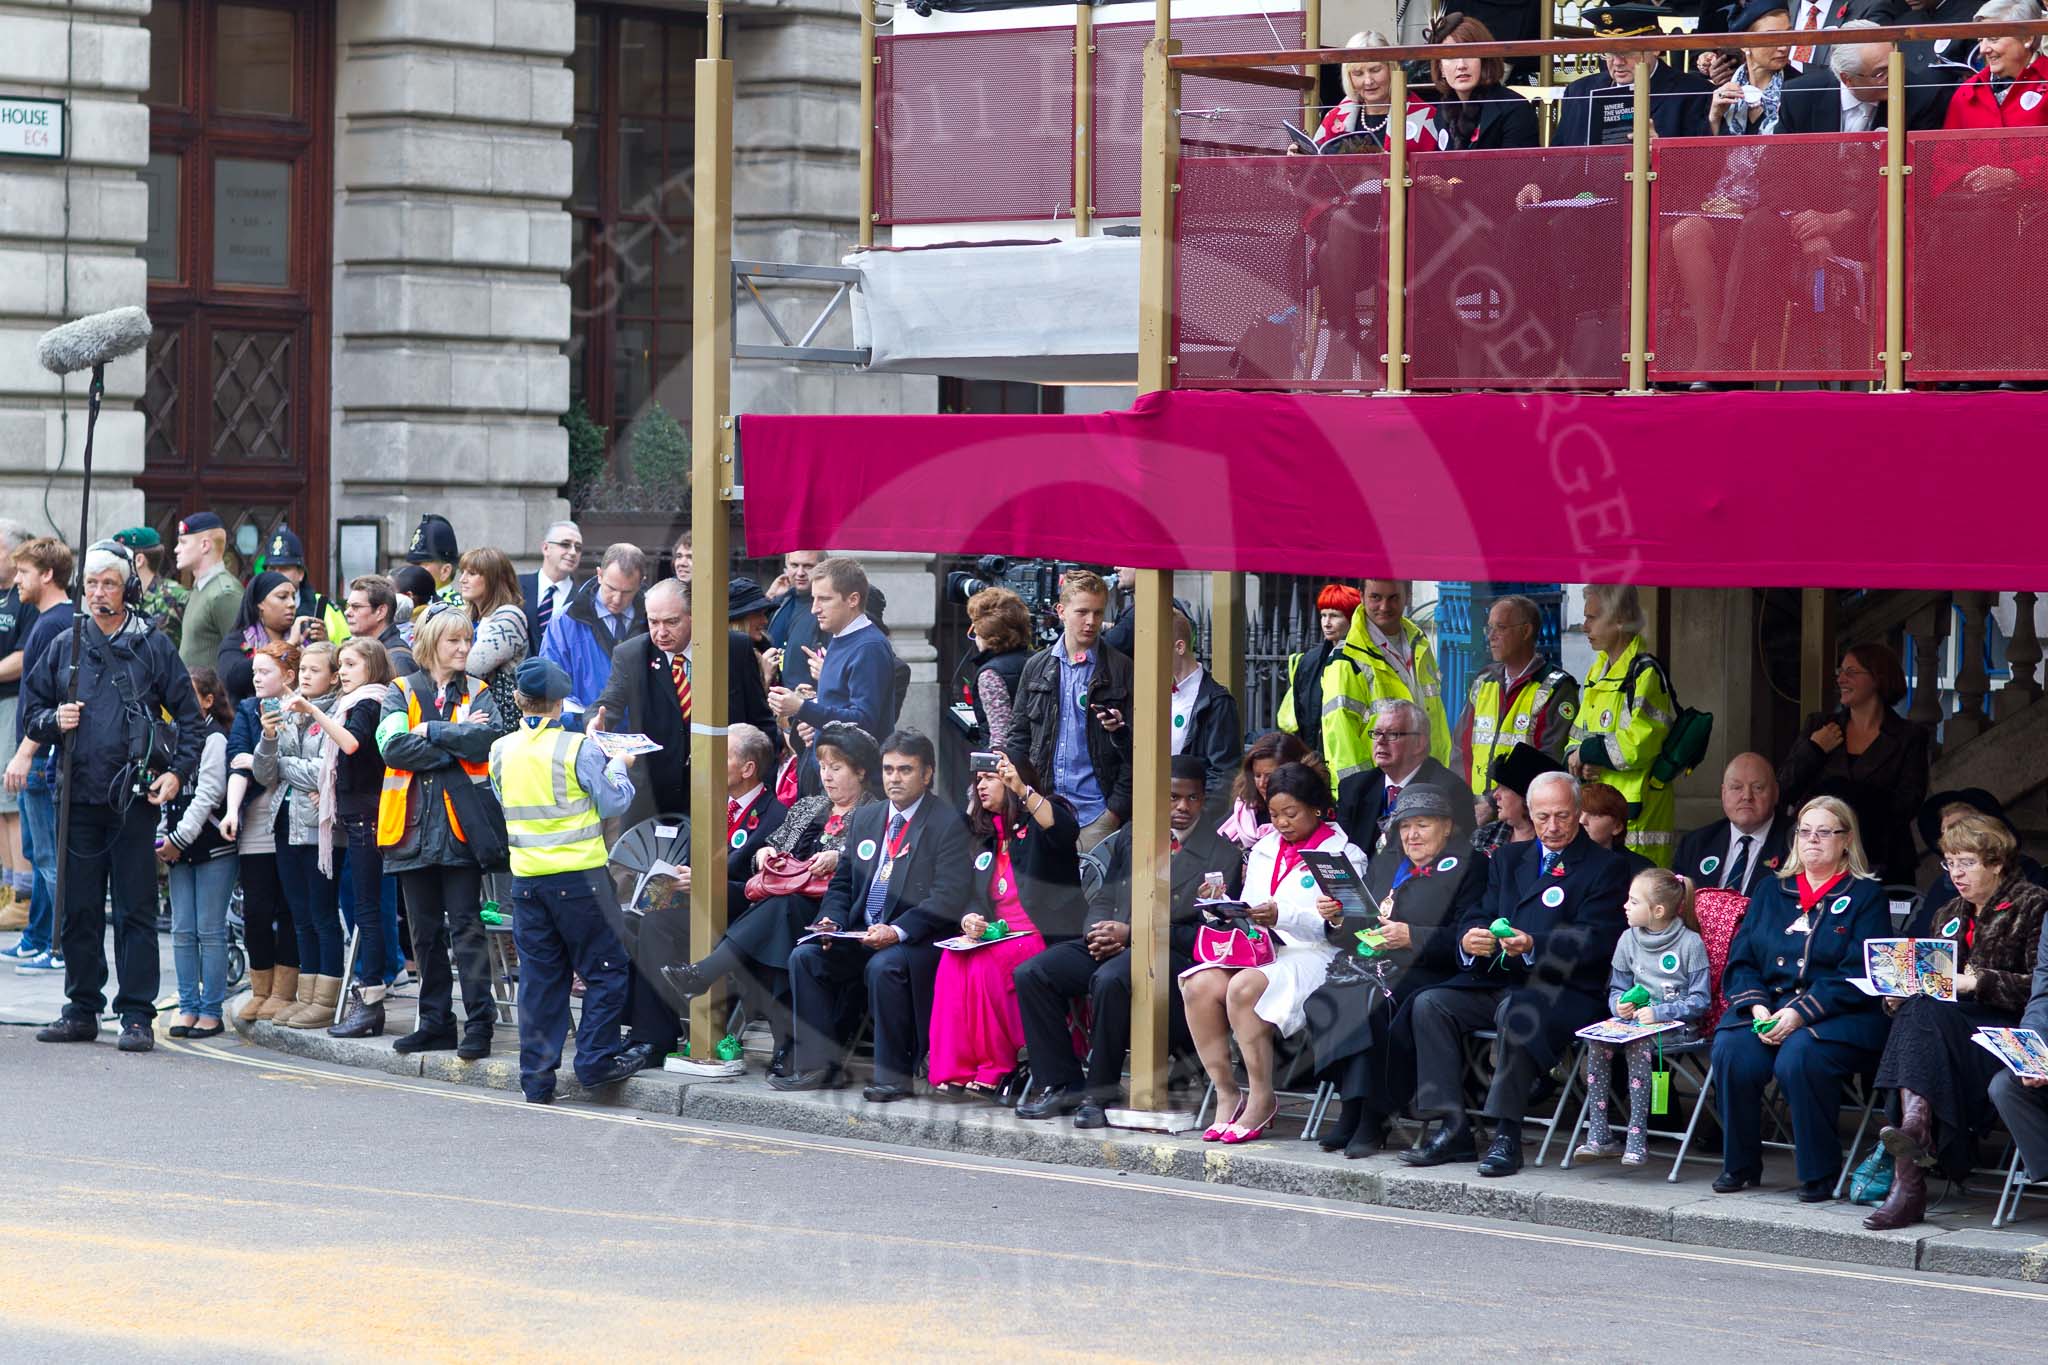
{"type": "Point", "coordinates": [1914, 490]}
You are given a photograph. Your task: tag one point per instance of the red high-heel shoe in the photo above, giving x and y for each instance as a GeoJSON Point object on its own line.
{"type": "Point", "coordinates": [1235, 1133]}
{"type": "Point", "coordinates": [1215, 1133]}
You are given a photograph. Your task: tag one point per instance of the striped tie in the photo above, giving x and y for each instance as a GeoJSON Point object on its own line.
{"type": "Point", "coordinates": [545, 612]}
{"type": "Point", "coordinates": [679, 669]}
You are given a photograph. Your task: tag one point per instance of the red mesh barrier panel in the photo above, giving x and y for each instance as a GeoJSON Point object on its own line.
{"type": "Point", "coordinates": [1276, 255]}
{"type": "Point", "coordinates": [1217, 115]}
{"type": "Point", "coordinates": [975, 127]}
{"type": "Point", "coordinates": [1518, 268]}
{"type": "Point", "coordinates": [1769, 258]}
{"type": "Point", "coordinates": [1977, 214]}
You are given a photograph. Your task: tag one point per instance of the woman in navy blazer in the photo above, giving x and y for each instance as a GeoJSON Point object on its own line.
{"type": "Point", "coordinates": [1791, 964]}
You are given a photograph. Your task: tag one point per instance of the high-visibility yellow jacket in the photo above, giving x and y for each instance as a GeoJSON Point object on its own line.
{"type": "Point", "coordinates": [1357, 676]}
{"type": "Point", "coordinates": [1625, 712]}
{"type": "Point", "coordinates": [1537, 711]}
{"type": "Point", "coordinates": [551, 822]}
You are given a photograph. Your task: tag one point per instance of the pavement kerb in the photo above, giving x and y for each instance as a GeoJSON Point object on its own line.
{"type": "Point", "coordinates": [1598, 1200]}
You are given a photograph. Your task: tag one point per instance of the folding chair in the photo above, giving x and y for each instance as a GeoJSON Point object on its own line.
{"type": "Point", "coordinates": [2011, 1190]}
{"type": "Point", "coordinates": [1479, 1062]}
{"type": "Point", "coordinates": [1686, 1059]}
{"type": "Point", "coordinates": [1317, 1104]}
{"type": "Point", "coordinates": [1862, 1092]}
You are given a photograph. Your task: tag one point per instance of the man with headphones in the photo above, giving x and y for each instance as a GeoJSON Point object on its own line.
{"type": "Point", "coordinates": [124, 764]}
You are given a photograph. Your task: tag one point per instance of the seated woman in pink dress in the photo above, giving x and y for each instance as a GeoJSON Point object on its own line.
{"type": "Point", "coordinates": [1027, 874]}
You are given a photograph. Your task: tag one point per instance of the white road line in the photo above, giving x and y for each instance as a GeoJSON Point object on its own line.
{"type": "Point", "coordinates": [1145, 1184]}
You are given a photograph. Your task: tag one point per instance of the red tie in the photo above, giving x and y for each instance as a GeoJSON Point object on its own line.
{"type": "Point", "coordinates": [1809, 18]}
{"type": "Point", "coordinates": [732, 814]}
{"type": "Point", "coordinates": [679, 670]}
{"type": "Point", "coordinates": [1393, 795]}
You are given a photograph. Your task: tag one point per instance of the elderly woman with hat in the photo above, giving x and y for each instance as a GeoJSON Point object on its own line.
{"type": "Point", "coordinates": [163, 599]}
{"type": "Point", "coordinates": [1512, 773]}
{"type": "Point", "coordinates": [1419, 886]}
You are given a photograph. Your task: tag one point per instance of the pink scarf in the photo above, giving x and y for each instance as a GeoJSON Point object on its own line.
{"type": "Point", "coordinates": [330, 755]}
{"type": "Point", "coordinates": [1243, 826]}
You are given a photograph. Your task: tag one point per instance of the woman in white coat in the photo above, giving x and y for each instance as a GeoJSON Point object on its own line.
{"type": "Point", "coordinates": [1253, 1004]}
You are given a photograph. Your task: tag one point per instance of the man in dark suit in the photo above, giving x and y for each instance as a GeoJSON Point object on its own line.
{"type": "Point", "coordinates": [751, 811]}
{"type": "Point", "coordinates": [547, 590]}
{"type": "Point", "coordinates": [1846, 92]}
{"type": "Point", "coordinates": [1599, 110]}
{"type": "Point", "coordinates": [1563, 895]}
{"type": "Point", "coordinates": [1206, 720]}
{"type": "Point", "coordinates": [1400, 757]}
{"type": "Point", "coordinates": [1098, 964]}
{"type": "Point", "coordinates": [900, 889]}
{"type": "Point", "coordinates": [1736, 852]}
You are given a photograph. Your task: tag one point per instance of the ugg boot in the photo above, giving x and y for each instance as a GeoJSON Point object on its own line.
{"type": "Point", "coordinates": [284, 988]}
{"type": "Point", "coordinates": [302, 999]}
{"type": "Point", "coordinates": [325, 991]}
{"type": "Point", "coordinates": [259, 995]}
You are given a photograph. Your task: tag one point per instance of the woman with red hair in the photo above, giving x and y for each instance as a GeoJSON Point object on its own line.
{"type": "Point", "coordinates": [1301, 707]}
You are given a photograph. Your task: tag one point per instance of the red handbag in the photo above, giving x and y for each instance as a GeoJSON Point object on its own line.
{"type": "Point", "coordinates": [1233, 947]}
{"type": "Point", "coordinates": [783, 875]}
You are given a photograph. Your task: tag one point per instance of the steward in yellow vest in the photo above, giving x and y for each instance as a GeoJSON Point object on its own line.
{"type": "Point", "coordinates": [1363, 672]}
{"type": "Point", "coordinates": [1536, 709]}
{"type": "Point", "coordinates": [557, 788]}
{"type": "Point", "coordinates": [1625, 713]}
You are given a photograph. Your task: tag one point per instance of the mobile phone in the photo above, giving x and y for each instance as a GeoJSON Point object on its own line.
{"type": "Point", "coordinates": [272, 705]}
{"type": "Point", "coordinates": [981, 762]}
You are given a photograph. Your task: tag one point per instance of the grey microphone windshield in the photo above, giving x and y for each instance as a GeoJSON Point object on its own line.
{"type": "Point", "coordinates": [93, 340]}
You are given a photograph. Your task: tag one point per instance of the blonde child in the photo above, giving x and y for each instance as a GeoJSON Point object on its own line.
{"type": "Point", "coordinates": [1662, 952]}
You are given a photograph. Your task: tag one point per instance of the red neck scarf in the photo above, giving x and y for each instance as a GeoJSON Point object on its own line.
{"type": "Point", "coordinates": [1289, 856]}
{"type": "Point", "coordinates": [1811, 895]}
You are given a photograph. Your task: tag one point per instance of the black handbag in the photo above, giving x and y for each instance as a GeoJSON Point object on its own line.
{"type": "Point", "coordinates": [482, 820]}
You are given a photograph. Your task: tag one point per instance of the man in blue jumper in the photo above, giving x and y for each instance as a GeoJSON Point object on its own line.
{"type": "Point", "coordinates": [857, 678]}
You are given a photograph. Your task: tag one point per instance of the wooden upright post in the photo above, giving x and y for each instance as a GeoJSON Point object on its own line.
{"type": "Point", "coordinates": [1639, 229]}
{"type": "Point", "coordinates": [1226, 632]}
{"type": "Point", "coordinates": [1816, 649]}
{"type": "Point", "coordinates": [1895, 170]}
{"type": "Point", "coordinates": [868, 62]}
{"type": "Point", "coordinates": [1152, 693]}
{"type": "Point", "coordinates": [1084, 118]}
{"type": "Point", "coordinates": [711, 487]}
{"type": "Point", "coordinates": [1396, 357]}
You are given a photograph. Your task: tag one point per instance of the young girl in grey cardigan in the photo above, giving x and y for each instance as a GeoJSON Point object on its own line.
{"type": "Point", "coordinates": [1662, 952]}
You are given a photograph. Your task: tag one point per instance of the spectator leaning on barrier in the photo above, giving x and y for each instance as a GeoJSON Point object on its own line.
{"type": "Point", "coordinates": [1385, 657]}
{"type": "Point", "coordinates": [127, 675]}
{"type": "Point", "coordinates": [1625, 713]}
{"type": "Point", "coordinates": [1071, 717]}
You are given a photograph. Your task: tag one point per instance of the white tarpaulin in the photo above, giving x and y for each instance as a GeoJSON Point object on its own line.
{"type": "Point", "coordinates": [1047, 312]}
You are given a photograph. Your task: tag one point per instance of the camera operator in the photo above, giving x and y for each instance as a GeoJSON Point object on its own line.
{"type": "Point", "coordinates": [128, 676]}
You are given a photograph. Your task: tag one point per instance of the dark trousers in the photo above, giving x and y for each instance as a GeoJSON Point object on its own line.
{"type": "Point", "coordinates": [2025, 1112]}
{"type": "Point", "coordinates": [559, 925]}
{"type": "Point", "coordinates": [107, 847]}
{"type": "Point", "coordinates": [653, 1011]}
{"type": "Point", "coordinates": [316, 908]}
{"type": "Point", "coordinates": [1062, 973]}
{"type": "Point", "coordinates": [375, 954]}
{"type": "Point", "coordinates": [1438, 1020]}
{"type": "Point", "coordinates": [825, 980]}
{"type": "Point", "coordinates": [445, 905]}
{"type": "Point", "coordinates": [267, 927]}
{"type": "Point", "coordinates": [1810, 1072]}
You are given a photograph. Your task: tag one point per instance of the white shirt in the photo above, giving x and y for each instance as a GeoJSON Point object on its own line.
{"type": "Point", "coordinates": [907, 813]}
{"type": "Point", "coordinates": [1397, 652]}
{"type": "Point", "coordinates": [1858, 116]}
{"type": "Point", "coordinates": [1756, 854]}
{"type": "Point", "coordinates": [1184, 707]}
{"type": "Point", "coordinates": [555, 589]}
{"type": "Point", "coordinates": [747, 799]}
{"type": "Point", "coordinates": [860, 622]}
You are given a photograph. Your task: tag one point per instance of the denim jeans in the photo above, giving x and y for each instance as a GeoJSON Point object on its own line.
{"type": "Point", "coordinates": [316, 913]}
{"type": "Point", "coordinates": [39, 847]}
{"type": "Point", "coordinates": [199, 932]}
{"type": "Point", "coordinates": [362, 903]}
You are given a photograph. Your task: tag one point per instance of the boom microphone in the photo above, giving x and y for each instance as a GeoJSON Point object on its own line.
{"type": "Point", "coordinates": [93, 341]}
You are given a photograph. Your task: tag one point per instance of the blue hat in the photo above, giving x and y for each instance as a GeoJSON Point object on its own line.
{"type": "Point", "coordinates": [1757, 9]}
{"type": "Point", "coordinates": [285, 551]}
{"type": "Point", "coordinates": [542, 680]}
{"type": "Point", "coordinates": [200, 521]}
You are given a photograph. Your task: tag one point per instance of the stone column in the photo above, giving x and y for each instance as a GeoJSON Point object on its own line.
{"type": "Point", "coordinates": [68, 234]}
{"type": "Point", "coordinates": [1714, 667]}
{"type": "Point", "coordinates": [911, 589]}
{"type": "Point", "coordinates": [450, 310]}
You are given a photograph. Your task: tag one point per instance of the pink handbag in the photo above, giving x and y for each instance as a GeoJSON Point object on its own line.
{"type": "Point", "coordinates": [1233, 947]}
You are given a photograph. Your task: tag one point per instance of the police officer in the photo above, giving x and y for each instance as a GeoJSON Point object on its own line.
{"type": "Point", "coordinates": [433, 548]}
{"type": "Point", "coordinates": [1521, 697]}
{"type": "Point", "coordinates": [288, 557]}
{"type": "Point", "coordinates": [557, 788]}
{"type": "Point", "coordinates": [1625, 714]}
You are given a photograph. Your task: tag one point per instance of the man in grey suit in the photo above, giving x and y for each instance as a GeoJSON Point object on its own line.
{"type": "Point", "coordinates": [2023, 1104]}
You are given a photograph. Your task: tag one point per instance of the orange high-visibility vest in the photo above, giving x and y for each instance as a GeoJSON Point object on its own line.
{"type": "Point", "coordinates": [397, 788]}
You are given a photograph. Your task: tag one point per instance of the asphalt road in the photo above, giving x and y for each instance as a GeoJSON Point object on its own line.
{"type": "Point", "coordinates": [221, 1200]}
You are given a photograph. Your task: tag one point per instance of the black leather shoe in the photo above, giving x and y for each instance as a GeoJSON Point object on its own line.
{"type": "Point", "coordinates": [824, 1078]}
{"type": "Point", "coordinates": [1816, 1191]}
{"type": "Point", "coordinates": [136, 1037]}
{"type": "Point", "coordinates": [363, 1020]}
{"type": "Point", "coordinates": [425, 1040]}
{"type": "Point", "coordinates": [1729, 1182]}
{"type": "Point", "coordinates": [886, 1094]}
{"type": "Point", "coordinates": [1503, 1156]}
{"type": "Point", "coordinates": [630, 1062]}
{"type": "Point", "coordinates": [66, 1029]}
{"type": "Point", "coordinates": [778, 1065]}
{"type": "Point", "coordinates": [474, 1047]}
{"type": "Point", "coordinates": [1053, 1102]}
{"type": "Point", "coordinates": [548, 1098]}
{"type": "Point", "coordinates": [1449, 1144]}
{"type": "Point", "coordinates": [1091, 1115]}
{"type": "Point", "coordinates": [684, 979]}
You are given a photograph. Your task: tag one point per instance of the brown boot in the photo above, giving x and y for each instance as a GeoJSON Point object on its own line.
{"type": "Point", "coordinates": [284, 987]}
{"type": "Point", "coordinates": [1907, 1203]}
{"type": "Point", "coordinates": [320, 1013]}
{"type": "Point", "coordinates": [301, 1001]}
{"type": "Point", "coordinates": [1912, 1141]}
{"type": "Point", "coordinates": [259, 995]}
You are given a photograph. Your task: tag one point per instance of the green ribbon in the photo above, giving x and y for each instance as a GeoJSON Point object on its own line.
{"type": "Point", "coordinates": [1500, 929]}
{"type": "Point", "coordinates": [1764, 1025]}
{"type": "Point", "coordinates": [996, 929]}
{"type": "Point", "coordinates": [1637, 994]}
{"type": "Point", "coordinates": [490, 914]}
{"type": "Point", "coordinates": [728, 1049]}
